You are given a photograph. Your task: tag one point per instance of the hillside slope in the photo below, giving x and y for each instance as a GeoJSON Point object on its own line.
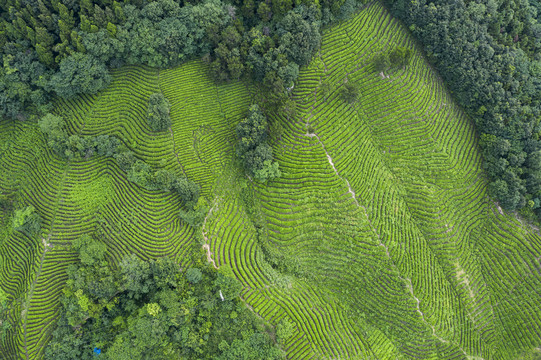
{"type": "Point", "coordinates": [378, 241]}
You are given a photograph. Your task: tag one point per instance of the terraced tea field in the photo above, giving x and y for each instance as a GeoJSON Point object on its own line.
{"type": "Point", "coordinates": [393, 249]}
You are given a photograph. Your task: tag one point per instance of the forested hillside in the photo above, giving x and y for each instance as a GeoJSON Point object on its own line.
{"type": "Point", "coordinates": [489, 53]}
{"type": "Point", "coordinates": [65, 48]}
{"type": "Point", "coordinates": [269, 179]}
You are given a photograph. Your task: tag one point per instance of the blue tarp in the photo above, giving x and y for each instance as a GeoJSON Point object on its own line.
{"type": "Point", "coordinates": [97, 351]}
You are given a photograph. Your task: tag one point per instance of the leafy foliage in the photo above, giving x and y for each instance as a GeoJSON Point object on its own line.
{"type": "Point", "coordinates": [147, 310]}
{"type": "Point", "coordinates": [27, 220]}
{"type": "Point", "coordinates": [350, 92]}
{"type": "Point", "coordinates": [66, 47]}
{"type": "Point", "coordinates": [80, 74]}
{"type": "Point", "coordinates": [252, 147]}
{"type": "Point", "coordinates": [158, 112]}
{"type": "Point", "coordinates": [194, 275]}
{"type": "Point", "coordinates": [488, 53]}
{"type": "Point", "coordinates": [22, 82]}
{"type": "Point", "coordinates": [138, 171]}
{"type": "Point", "coordinates": [74, 146]}
{"type": "Point", "coordinates": [399, 57]}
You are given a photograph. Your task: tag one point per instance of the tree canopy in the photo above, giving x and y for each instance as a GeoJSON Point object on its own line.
{"type": "Point", "coordinates": [66, 47]}
{"type": "Point", "coordinates": [27, 221]}
{"type": "Point", "coordinates": [489, 55]}
{"type": "Point", "coordinates": [151, 309]}
{"type": "Point", "coordinates": [252, 147]}
{"type": "Point", "coordinates": [158, 112]}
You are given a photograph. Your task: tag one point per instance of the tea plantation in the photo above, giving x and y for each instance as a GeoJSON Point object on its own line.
{"type": "Point", "coordinates": [378, 241]}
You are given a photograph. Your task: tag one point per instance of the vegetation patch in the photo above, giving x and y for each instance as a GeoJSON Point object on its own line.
{"type": "Point", "coordinates": [377, 240]}
{"type": "Point", "coordinates": [94, 195]}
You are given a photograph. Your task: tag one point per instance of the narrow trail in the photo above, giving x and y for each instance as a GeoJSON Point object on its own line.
{"type": "Point", "coordinates": [407, 281]}
{"type": "Point", "coordinates": [206, 245]}
{"type": "Point", "coordinates": [329, 159]}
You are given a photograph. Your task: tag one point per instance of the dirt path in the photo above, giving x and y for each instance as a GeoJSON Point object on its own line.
{"type": "Point", "coordinates": [407, 281]}
{"type": "Point", "coordinates": [206, 245]}
{"type": "Point", "coordinates": [329, 159]}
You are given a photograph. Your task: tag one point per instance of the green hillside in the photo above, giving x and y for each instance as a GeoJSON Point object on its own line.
{"type": "Point", "coordinates": [378, 241]}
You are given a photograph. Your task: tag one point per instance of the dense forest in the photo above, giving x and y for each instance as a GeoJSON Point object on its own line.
{"type": "Point", "coordinates": [65, 48]}
{"type": "Point", "coordinates": [489, 54]}
{"type": "Point", "coordinates": [152, 310]}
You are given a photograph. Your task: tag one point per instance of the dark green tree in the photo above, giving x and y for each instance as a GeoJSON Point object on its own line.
{"type": "Point", "coordinates": [382, 62]}
{"type": "Point", "coordinates": [350, 92]}
{"type": "Point", "coordinates": [400, 56]}
{"type": "Point", "coordinates": [158, 112]}
{"type": "Point", "coordinates": [253, 149]}
{"type": "Point", "coordinates": [151, 310]}
{"type": "Point", "coordinates": [194, 275]}
{"type": "Point", "coordinates": [141, 174]}
{"type": "Point", "coordinates": [27, 221]}
{"type": "Point", "coordinates": [80, 73]}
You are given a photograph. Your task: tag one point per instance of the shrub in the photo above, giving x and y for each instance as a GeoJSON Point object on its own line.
{"type": "Point", "coordinates": [350, 92]}
{"type": "Point", "coordinates": [106, 145]}
{"type": "Point", "coordinates": [80, 73]}
{"type": "Point", "coordinates": [158, 112]}
{"type": "Point", "coordinates": [228, 285]}
{"type": "Point", "coordinates": [194, 275]}
{"type": "Point", "coordinates": [187, 189]}
{"type": "Point", "coordinates": [53, 127]}
{"type": "Point", "coordinates": [252, 148]}
{"type": "Point", "coordinates": [382, 62]}
{"type": "Point", "coordinates": [284, 330]}
{"type": "Point", "coordinates": [27, 221]}
{"type": "Point", "coordinates": [90, 250]}
{"type": "Point", "coordinates": [125, 159]}
{"type": "Point", "coordinates": [164, 179]}
{"type": "Point", "coordinates": [400, 56]}
{"type": "Point", "coordinates": [269, 170]}
{"type": "Point", "coordinates": [195, 215]}
{"type": "Point", "coordinates": [140, 173]}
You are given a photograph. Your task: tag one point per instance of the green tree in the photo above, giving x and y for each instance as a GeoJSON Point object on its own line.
{"type": "Point", "coordinates": [299, 34]}
{"type": "Point", "coordinates": [400, 56]}
{"type": "Point", "coordinates": [194, 275]}
{"type": "Point", "coordinates": [27, 221]}
{"type": "Point", "coordinates": [187, 189]}
{"type": "Point", "coordinates": [165, 179]}
{"type": "Point", "coordinates": [252, 148]}
{"type": "Point", "coordinates": [80, 73]}
{"type": "Point", "coordinates": [158, 112]}
{"type": "Point", "coordinates": [350, 92]}
{"type": "Point", "coordinates": [194, 215]}
{"type": "Point", "coordinates": [90, 250]}
{"type": "Point", "coordinates": [382, 62]}
{"type": "Point", "coordinates": [154, 311]}
{"type": "Point", "coordinates": [252, 130]}
{"type": "Point", "coordinates": [141, 174]}
{"type": "Point", "coordinates": [125, 159]}
{"type": "Point", "coordinates": [284, 330]}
